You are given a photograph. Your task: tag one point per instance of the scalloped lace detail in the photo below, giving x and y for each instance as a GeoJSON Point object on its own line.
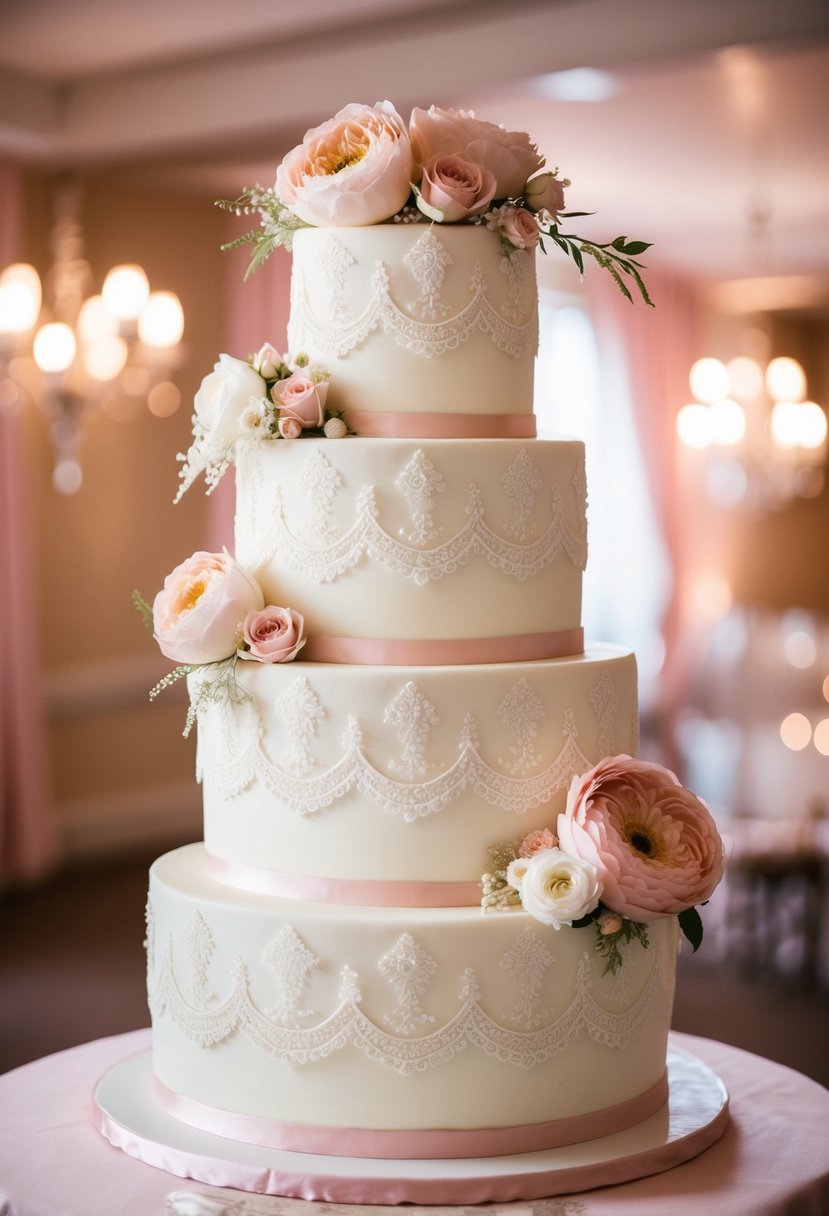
{"type": "Point", "coordinates": [231, 756]}
{"type": "Point", "coordinates": [409, 969]}
{"type": "Point", "coordinates": [322, 564]}
{"type": "Point", "coordinates": [340, 333]}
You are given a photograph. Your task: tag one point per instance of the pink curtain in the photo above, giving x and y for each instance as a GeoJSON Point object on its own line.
{"type": "Point", "coordinates": [28, 843]}
{"type": "Point", "coordinates": [657, 347]}
{"type": "Point", "coordinates": [256, 312]}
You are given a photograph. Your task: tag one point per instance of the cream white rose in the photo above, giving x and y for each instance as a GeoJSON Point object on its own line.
{"type": "Point", "coordinates": [557, 889]}
{"type": "Point", "coordinates": [224, 396]}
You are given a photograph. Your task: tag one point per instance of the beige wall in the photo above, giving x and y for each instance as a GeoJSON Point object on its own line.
{"type": "Point", "coordinates": [120, 770]}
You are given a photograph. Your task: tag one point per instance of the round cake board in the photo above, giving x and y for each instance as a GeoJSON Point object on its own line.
{"type": "Point", "coordinates": [694, 1117]}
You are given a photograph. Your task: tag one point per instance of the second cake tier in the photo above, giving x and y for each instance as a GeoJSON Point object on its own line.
{"type": "Point", "coordinates": [388, 785]}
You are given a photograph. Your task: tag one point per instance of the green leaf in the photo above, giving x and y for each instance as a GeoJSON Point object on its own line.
{"type": "Point", "coordinates": [584, 921]}
{"type": "Point", "coordinates": [690, 922]}
{"type": "Point", "coordinates": [634, 247]}
{"type": "Point", "coordinates": [144, 609]}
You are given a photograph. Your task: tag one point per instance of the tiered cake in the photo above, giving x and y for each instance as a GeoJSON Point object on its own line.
{"type": "Point", "coordinates": [322, 974]}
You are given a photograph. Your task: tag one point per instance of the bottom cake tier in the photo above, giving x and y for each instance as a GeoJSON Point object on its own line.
{"type": "Point", "coordinates": [404, 1032]}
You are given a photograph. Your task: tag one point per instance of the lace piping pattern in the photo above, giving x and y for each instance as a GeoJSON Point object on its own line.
{"type": "Point", "coordinates": [231, 756]}
{"type": "Point", "coordinates": [343, 333]}
{"type": "Point", "coordinates": [350, 1026]}
{"type": "Point", "coordinates": [368, 536]}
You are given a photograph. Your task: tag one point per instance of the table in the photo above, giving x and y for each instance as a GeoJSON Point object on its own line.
{"type": "Point", "coordinates": [772, 1161]}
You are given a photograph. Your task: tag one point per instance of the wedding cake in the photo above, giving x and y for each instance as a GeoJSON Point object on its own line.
{"type": "Point", "coordinates": [437, 907]}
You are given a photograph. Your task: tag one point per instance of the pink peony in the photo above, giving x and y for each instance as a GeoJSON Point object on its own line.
{"type": "Point", "coordinates": [508, 155]}
{"type": "Point", "coordinates": [545, 193]}
{"type": "Point", "coordinates": [198, 615]}
{"type": "Point", "coordinates": [654, 844]}
{"type": "Point", "coordinates": [298, 397]}
{"type": "Point", "coordinates": [519, 226]}
{"type": "Point", "coordinates": [273, 634]}
{"type": "Point", "coordinates": [354, 169]}
{"type": "Point", "coordinates": [453, 188]}
{"type": "Point", "coordinates": [536, 842]}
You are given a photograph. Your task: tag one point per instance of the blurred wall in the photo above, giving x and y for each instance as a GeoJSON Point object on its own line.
{"type": "Point", "coordinates": [121, 774]}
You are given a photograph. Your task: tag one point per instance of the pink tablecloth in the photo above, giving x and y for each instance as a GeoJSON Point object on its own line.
{"type": "Point", "coordinates": [772, 1161]}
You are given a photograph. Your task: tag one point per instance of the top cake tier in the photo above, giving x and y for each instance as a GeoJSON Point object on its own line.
{"type": "Point", "coordinates": [426, 330]}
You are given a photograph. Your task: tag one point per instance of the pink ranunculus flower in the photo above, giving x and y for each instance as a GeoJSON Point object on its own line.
{"type": "Point", "coordinates": [545, 193]}
{"type": "Point", "coordinates": [654, 844]}
{"type": "Point", "coordinates": [508, 155]}
{"type": "Point", "coordinates": [198, 614]}
{"type": "Point", "coordinates": [352, 170]}
{"type": "Point", "coordinates": [536, 842]}
{"type": "Point", "coordinates": [274, 635]}
{"type": "Point", "coordinates": [300, 398]}
{"type": "Point", "coordinates": [453, 188]}
{"type": "Point", "coordinates": [519, 226]}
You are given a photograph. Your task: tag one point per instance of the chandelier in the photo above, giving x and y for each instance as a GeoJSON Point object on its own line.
{"type": "Point", "coordinates": [71, 351]}
{"type": "Point", "coordinates": [762, 442]}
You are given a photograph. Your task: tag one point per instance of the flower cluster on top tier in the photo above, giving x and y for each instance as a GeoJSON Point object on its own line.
{"type": "Point", "coordinates": [271, 396]}
{"type": "Point", "coordinates": [211, 612]}
{"type": "Point", "coordinates": [367, 166]}
{"type": "Point", "coordinates": [632, 846]}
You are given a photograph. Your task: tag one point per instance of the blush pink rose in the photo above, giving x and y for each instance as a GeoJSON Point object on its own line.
{"type": "Point", "coordinates": [654, 844]}
{"type": "Point", "coordinates": [453, 188]}
{"type": "Point", "coordinates": [537, 842]}
{"type": "Point", "coordinates": [545, 193]}
{"type": "Point", "coordinates": [198, 614]}
{"type": "Point", "coordinates": [299, 398]}
{"type": "Point", "coordinates": [519, 226]}
{"type": "Point", "coordinates": [352, 170]}
{"type": "Point", "coordinates": [274, 635]}
{"type": "Point", "coordinates": [508, 155]}
{"type": "Point", "coordinates": [289, 428]}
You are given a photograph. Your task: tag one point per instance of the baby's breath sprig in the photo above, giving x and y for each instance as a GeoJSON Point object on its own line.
{"type": "Point", "coordinates": [218, 684]}
{"type": "Point", "coordinates": [496, 891]}
{"type": "Point", "coordinates": [277, 224]}
{"type": "Point", "coordinates": [617, 257]}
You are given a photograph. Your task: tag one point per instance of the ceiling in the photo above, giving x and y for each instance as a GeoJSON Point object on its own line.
{"type": "Point", "coordinates": [703, 111]}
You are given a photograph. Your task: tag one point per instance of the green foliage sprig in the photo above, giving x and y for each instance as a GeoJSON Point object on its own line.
{"type": "Point", "coordinates": [277, 224]}
{"type": "Point", "coordinates": [617, 257]}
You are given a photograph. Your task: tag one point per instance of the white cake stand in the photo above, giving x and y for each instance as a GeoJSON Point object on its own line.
{"type": "Point", "coordinates": [694, 1117]}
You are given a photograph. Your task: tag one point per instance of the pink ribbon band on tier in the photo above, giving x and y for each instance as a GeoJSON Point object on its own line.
{"type": "Point", "coordinates": [425, 1144]}
{"type": "Point", "coordinates": [360, 893]}
{"type": "Point", "coordinates": [443, 652]}
{"type": "Point", "coordinates": [378, 425]}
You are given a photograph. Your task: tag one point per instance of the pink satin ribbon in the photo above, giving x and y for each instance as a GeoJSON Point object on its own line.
{"type": "Point", "coordinates": [443, 652]}
{"type": "Point", "coordinates": [427, 1144]}
{"type": "Point", "coordinates": [363, 893]}
{"type": "Point", "coordinates": [378, 425]}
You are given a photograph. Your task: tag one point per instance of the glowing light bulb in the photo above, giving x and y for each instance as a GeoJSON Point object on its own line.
{"type": "Point", "coordinates": [693, 425]}
{"type": "Point", "coordinates": [800, 649]}
{"type": "Point", "coordinates": [746, 377]}
{"type": "Point", "coordinates": [20, 298]}
{"type": "Point", "coordinates": [54, 347]}
{"type": "Point", "coordinates": [821, 737]}
{"type": "Point", "coordinates": [709, 380]}
{"type": "Point", "coordinates": [785, 380]}
{"type": "Point", "coordinates": [96, 321]}
{"type": "Point", "coordinates": [785, 424]}
{"type": "Point", "coordinates": [796, 731]}
{"type": "Point", "coordinates": [812, 425]}
{"type": "Point", "coordinates": [105, 358]}
{"type": "Point", "coordinates": [125, 291]}
{"type": "Point", "coordinates": [161, 322]}
{"type": "Point", "coordinates": [728, 422]}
